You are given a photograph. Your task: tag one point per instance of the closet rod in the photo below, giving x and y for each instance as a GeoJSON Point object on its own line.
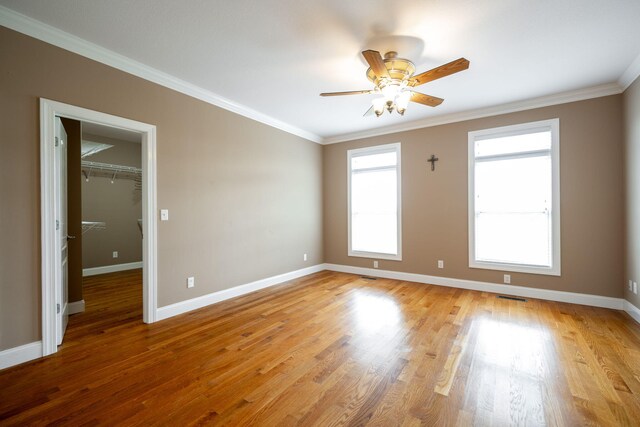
{"type": "Point", "coordinates": [110, 167]}
{"type": "Point", "coordinates": [93, 225]}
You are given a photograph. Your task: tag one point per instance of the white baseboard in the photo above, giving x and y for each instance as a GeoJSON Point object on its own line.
{"type": "Point", "coordinates": [212, 298]}
{"type": "Point", "coordinates": [632, 310]}
{"type": "Point", "coordinates": [76, 307]}
{"type": "Point", "coordinates": [17, 355]}
{"type": "Point", "coordinates": [110, 268]}
{"type": "Point", "coordinates": [521, 291]}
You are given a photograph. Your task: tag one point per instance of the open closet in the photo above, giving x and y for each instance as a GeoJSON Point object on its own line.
{"type": "Point", "coordinates": [111, 177]}
{"type": "Point", "coordinates": [104, 204]}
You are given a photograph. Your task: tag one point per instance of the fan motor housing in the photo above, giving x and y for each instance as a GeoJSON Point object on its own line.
{"type": "Point", "coordinates": [399, 68]}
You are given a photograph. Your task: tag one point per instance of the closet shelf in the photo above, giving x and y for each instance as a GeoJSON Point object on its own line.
{"type": "Point", "coordinates": [110, 170]}
{"type": "Point", "coordinates": [93, 225]}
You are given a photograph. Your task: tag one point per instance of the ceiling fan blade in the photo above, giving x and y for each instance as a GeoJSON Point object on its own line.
{"type": "Point", "coordinates": [375, 61]}
{"type": "Point", "coordinates": [439, 72]}
{"type": "Point", "coordinates": [351, 92]}
{"type": "Point", "coordinates": [421, 98]}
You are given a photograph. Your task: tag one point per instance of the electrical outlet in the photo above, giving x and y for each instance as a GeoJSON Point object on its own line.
{"type": "Point", "coordinates": [164, 214]}
{"type": "Point", "coordinates": [115, 254]}
{"type": "Point", "coordinates": [191, 282]}
{"type": "Point", "coordinates": [507, 278]}
{"type": "Point", "coordinates": [375, 264]}
{"type": "Point", "coordinates": [304, 257]}
{"type": "Point", "coordinates": [635, 288]}
{"type": "Point", "coordinates": [440, 263]}
{"type": "Point", "coordinates": [631, 285]}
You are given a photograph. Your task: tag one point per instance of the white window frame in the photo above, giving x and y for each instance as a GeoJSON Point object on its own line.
{"type": "Point", "coordinates": [545, 125]}
{"type": "Point", "coordinates": [378, 149]}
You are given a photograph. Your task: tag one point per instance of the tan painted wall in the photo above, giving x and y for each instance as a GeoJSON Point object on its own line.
{"type": "Point", "coordinates": [632, 181]}
{"type": "Point", "coordinates": [244, 198]}
{"type": "Point", "coordinates": [237, 217]}
{"type": "Point", "coordinates": [117, 204]}
{"type": "Point", "coordinates": [435, 203]}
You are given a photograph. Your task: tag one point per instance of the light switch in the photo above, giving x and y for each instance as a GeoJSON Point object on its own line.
{"type": "Point", "coordinates": [164, 214]}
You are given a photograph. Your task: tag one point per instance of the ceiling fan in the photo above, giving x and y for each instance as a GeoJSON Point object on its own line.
{"type": "Point", "coordinates": [393, 79]}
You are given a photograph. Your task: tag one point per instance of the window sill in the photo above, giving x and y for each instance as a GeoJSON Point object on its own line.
{"type": "Point", "coordinates": [516, 268]}
{"type": "Point", "coordinates": [374, 255]}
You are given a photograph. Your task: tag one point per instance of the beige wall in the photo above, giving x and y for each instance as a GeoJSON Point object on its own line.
{"type": "Point", "coordinates": [434, 223]}
{"type": "Point", "coordinates": [632, 180]}
{"type": "Point", "coordinates": [118, 204]}
{"type": "Point", "coordinates": [244, 198]}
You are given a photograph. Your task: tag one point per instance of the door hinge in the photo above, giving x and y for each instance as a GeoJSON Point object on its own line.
{"type": "Point", "coordinates": [57, 141]}
{"type": "Point", "coordinates": [57, 224]}
{"type": "Point", "coordinates": [58, 308]}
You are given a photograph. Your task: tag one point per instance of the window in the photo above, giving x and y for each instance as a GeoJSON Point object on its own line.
{"type": "Point", "coordinates": [514, 198]}
{"type": "Point", "coordinates": [374, 202]}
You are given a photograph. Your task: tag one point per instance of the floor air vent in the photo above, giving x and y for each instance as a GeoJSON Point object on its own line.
{"type": "Point", "coordinates": [512, 298]}
{"type": "Point", "coordinates": [368, 278]}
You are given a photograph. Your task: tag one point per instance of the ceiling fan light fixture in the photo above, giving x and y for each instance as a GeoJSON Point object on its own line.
{"type": "Point", "coordinates": [402, 101]}
{"type": "Point", "coordinates": [378, 106]}
{"type": "Point", "coordinates": [390, 106]}
{"type": "Point", "coordinates": [390, 91]}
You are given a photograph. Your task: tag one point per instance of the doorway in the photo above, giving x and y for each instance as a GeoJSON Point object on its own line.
{"type": "Point", "coordinates": [53, 192]}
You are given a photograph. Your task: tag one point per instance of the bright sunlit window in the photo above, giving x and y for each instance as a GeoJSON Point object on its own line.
{"type": "Point", "coordinates": [514, 200]}
{"type": "Point", "coordinates": [374, 202]}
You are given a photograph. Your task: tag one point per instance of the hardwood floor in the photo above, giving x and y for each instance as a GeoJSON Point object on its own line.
{"type": "Point", "coordinates": [333, 349]}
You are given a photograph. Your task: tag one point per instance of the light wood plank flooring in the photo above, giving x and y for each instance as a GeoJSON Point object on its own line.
{"type": "Point", "coordinates": [333, 349]}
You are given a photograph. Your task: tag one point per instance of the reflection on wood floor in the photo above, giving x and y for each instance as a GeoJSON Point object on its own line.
{"type": "Point", "coordinates": [333, 349]}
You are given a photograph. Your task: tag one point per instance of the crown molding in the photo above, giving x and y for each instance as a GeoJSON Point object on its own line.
{"type": "Point", "coordinates": [631, 74]}
{"type": "Point", "coordinates": [54, 36]}
{"type": "Point", "coordinates": [544, 101]}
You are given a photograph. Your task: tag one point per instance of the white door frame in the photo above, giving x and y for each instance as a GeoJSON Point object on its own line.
{"type": "Point", "coordinates": [48, 111]}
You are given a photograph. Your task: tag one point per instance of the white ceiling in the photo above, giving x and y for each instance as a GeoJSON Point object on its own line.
{"type": "Point", "coordinates": [276, 56]}
{"type": "Point", "coordinates": [89, 129]}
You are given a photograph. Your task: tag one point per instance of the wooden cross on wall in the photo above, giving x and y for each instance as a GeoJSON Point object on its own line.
{"type": "Point", "coordinates": [433, 159]}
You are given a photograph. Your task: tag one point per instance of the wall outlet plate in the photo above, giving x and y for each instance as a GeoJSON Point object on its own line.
{"type": "Point", "coordinates": [115, 254]}
{"type": "Point", "coordinates": [507, 278]}
{"type": "Point", "coordinates": [164, 214]}
{"type": "Point", "coordinates": [635, 288]}
{"type": "Point", "coordinates": [191, 282]}
{"type": "Point", "coordinates": [375, 264]}
{"type": "Point", "coordinates": [440, 263]}
{"type": "Point", "coordinates": [304, 257]}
